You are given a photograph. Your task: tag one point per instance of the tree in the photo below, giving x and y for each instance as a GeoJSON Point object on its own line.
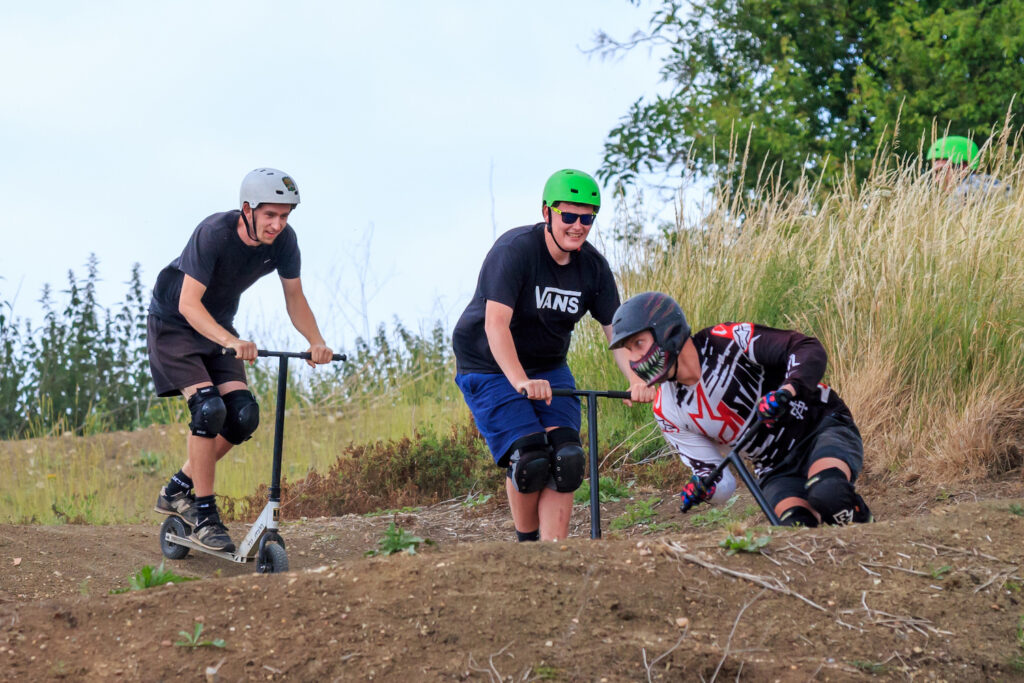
{"type": "Point", "coordinates": [809, 85]}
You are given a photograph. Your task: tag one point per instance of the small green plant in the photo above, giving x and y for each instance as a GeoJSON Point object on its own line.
{"type": "Point", "coordinates": [715, 515]}
{"type": "Point", "coordinates": [869, 667]}
{"type": "Point", "coordinates": [148, 577]}
{"type": "Point", "coordinates": [939, 573]}
{"type": "Point", "coordinates": [192, 640]}
{"type": "Point", "coordinates": [611, 491]}
{"type": "Point", "coordinates": [547, 673]}
{"type": "Point", "coordinates": [398, 511]}
{"type": "Point", "coordinates": [1012, 586]}
{"type": "Point", "coordinates": [148, 463]}
{"type": "Point", "coordinates": [662, 526]}
{"type": "Point", "coordinates": [641, 512]}
{"type": "Point", "coordinates": [473, 501]}
{"type": "Point", "coordinates": [943, 495]}
{"type": "Point", "coordinates": [1017, 509]}
{"type": "Point", "coordinates": [747, 544]}
{"type": "Point", "coordinates": [396, 540]}
{"type": "Point", "coordinates": [1017, 661]}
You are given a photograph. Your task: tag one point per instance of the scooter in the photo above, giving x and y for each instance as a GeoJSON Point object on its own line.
{"type": "Point", "coordinates": [263, 544]}
{"type": "Point", "coordinates": [732, 458]}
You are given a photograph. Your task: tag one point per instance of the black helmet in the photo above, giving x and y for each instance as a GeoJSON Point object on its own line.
{"type": "Point", "coordinates": [660, 314]}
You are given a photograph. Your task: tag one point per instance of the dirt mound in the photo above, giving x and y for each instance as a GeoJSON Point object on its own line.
{"type": "Point", "coordinates": [935, 594]}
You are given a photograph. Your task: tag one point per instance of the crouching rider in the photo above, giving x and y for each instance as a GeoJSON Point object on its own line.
{"type": "Point", "coordinates": [715, 384]}
{"type": "Point", "coordinates": [511, 342]}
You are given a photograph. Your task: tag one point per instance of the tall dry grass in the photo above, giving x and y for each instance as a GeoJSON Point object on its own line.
{"type": "Point", "coordinates": [918, 297]}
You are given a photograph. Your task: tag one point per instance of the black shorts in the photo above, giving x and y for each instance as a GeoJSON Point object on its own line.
{"type": "Point", "coordinates": [180, 357]}
{"type": "Point", "coordinates": [836, 437]}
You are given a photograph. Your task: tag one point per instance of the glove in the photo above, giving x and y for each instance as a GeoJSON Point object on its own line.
{"type": "Point", "coordinates": [773, 405]}
{"type": "Point", "coordinates": [695, 492]}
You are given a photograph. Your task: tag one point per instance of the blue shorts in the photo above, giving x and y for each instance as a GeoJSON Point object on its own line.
{"type": "Point", "coordinates": [502, 415]}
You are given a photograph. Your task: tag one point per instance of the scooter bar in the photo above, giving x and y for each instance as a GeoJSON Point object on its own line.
{"type": "Point", "coordinates": [304, 355]}
{"type": "Point", "coordinates": [595, 478]}
{"type": "Point", "coordinates": [748, 479]}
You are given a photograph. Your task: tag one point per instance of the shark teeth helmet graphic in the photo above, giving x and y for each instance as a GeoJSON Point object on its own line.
{"type": "Point", "coordinates": [661, 315]}
{"type": "Point", "coordinates": [653, 366]}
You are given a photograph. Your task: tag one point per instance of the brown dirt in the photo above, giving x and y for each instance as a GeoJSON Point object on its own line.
{"type": "Point", "coordinates": [933, 591]}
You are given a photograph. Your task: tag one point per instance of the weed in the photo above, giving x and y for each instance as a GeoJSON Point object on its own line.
{"type": "Point", "coordinates": [869, 667]}
{"type": "Point", "coordinates": [479, 499]}
{"type": "Point", "coordinates": [611, 491]}
{"type": "Point", "coordinates": [1017, 509]}
{"type": "Point", "coordinates": [939, 573]}
{"type": "Point", "coordinates": [715, 515]}
{"type": "Point", "coordinates": [943, 495]}
{"type": "Point", "coordinates": [641, 512]}
{"type": "Point", "coordinates": [148, 463]}
{"type": "Point", "coordinates": [1012, 586]}
{"type": "Point", "coordinates": [1017, 661]}
{"type": "Point", "coordinates": [192, 640]}
{"type": "Point", "coordinates": [547, 673]}
{"type": "Point", "coordinates": [148, 577]}
{"type": "Point", "coordinates": [408, 510]}
{"type": "Point", "coordinates": [76, 509]}
{"type": "Point", "coordinates": [396, 540]}
{"type": "Point", "coordinates": [83, 588]}
{"type": "Point", "coordinates": [662, 526]}
{"type": "Point", "coordinates": [747, 544]}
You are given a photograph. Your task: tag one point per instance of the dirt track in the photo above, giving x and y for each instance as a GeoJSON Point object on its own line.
{"type": "Point", "coordinates": [931, 592]}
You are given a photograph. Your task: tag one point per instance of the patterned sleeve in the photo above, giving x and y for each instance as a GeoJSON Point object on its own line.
{"type": "Point", "coordinates": [801, 359]}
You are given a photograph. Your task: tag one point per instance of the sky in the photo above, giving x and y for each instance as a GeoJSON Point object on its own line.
{"type": "Point", "coordinates": [416, 131]}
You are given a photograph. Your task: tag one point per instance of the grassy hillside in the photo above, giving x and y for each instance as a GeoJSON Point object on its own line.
{"type": "Point", "coordinates": [917, 296]}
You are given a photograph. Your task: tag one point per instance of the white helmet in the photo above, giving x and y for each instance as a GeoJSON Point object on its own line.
{"type": "Point", "coordinates": [268, 186]}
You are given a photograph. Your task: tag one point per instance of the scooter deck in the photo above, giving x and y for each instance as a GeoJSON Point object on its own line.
{"type": "Point", "coordinates": [232, 557]}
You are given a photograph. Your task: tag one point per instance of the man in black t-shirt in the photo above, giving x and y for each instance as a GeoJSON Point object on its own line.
{"type": "Point", "coordinates": [190, 323]}
{"type": "Point", "coordinates": [511, 342]}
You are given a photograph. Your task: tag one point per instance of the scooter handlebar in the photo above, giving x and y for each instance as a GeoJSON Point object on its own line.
{"type": "Point", "coordinates": [304, 355]}
{"type": "Point", "coordinates": [563, 391]}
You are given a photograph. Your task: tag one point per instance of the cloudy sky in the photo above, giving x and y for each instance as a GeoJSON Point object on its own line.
{"type": "Point", "coordinates": [126, 123]}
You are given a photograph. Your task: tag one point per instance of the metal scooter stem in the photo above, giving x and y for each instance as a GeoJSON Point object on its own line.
{"type": "Point", "coordinates": [748, 479]}
{"type": "Point", "coordinates": [595, 479]}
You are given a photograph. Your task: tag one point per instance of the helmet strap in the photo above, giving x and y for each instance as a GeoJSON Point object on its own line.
{"type": "Point", "coordinates": [553, 239]}
{"type": "Point", "coordinates": [250, 231]}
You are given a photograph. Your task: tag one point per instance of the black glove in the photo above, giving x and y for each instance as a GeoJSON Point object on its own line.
{"type": "Point", "coordinates": [695, 492]}
{"type": "Point", "coordinates": [773, 405]}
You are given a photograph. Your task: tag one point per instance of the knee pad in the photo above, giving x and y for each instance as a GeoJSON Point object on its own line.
{"type": "Point", "coordinates": [798, 515]}
{"type": "Point", "coordinates": [529, 463]}
{"type": "Point", "coordinates": [569, 461]}
{"type": "Point", "coordinates": [242, 418]}
{"type": "Point", "coordinates": [832, 496]}
{"type": "Point", "coordinates": [208, 412]}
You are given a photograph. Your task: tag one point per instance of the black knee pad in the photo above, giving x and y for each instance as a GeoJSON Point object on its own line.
{"type": "Point", "coordinates": [798, 515]}
{"type": "Point", "coordinates": [208, 412]}
{"type": "Point", "coordinates": [569, 462]}
{"type": "Point", "coordinates": [243, 416]}
{"type": "Point", "coordinates": [832, 496]}
{"type": "Point", "coordinates": [529, 464]}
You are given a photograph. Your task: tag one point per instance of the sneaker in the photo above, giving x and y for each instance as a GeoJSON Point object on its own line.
{"type": "Point", "coordinates": [213, 535]}
{"type": "Point", "coordinates": [181, 504]}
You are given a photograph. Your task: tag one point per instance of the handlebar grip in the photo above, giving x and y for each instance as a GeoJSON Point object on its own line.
{"type": "Point", "coordinates": [304, 355]}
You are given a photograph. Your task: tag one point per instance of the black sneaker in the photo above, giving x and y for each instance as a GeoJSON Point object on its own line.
{"type": "Point", "coordinates": [181, 504]}
{"type": "Point", "coordinates": [861, 513]}
{"type": "Point", "coordinates": [213, 535]}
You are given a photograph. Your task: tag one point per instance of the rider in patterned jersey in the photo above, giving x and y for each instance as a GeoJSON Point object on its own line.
{"type": "Point", "coordinates": [715, 384]}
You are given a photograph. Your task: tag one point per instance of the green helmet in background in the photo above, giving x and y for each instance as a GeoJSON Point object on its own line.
{"type": "Point", "coordinates": [570, 185]}
{"type": "Point", "coordinates": [955, 148]}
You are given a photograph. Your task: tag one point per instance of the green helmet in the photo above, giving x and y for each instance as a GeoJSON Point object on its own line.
{"type": "Point", "coordinates": [570, 185]}
{"type": "Point", "coordinates": [955, 148]}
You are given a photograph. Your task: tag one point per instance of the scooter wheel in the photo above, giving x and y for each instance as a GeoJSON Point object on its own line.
{"type": "Point", "coordinates": [171, 550]}
{"type": "Point", "coordinates": [272, 560]}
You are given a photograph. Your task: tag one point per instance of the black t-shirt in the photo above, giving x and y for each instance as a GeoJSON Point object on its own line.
{"type": "Point", "coordinates": [547, 300]}
{"type": "Point", "coordinates": [218, 258]}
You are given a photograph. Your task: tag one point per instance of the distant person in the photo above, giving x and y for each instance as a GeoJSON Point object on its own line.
{"type": "Point", "coordinates": [190, 321]}
{"type": "Point", "coordinates": [535, 284]}
{"type": "Point", "coordinates": [955, 161]}
{"type": "Point", "coordinates": [717, 383]}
